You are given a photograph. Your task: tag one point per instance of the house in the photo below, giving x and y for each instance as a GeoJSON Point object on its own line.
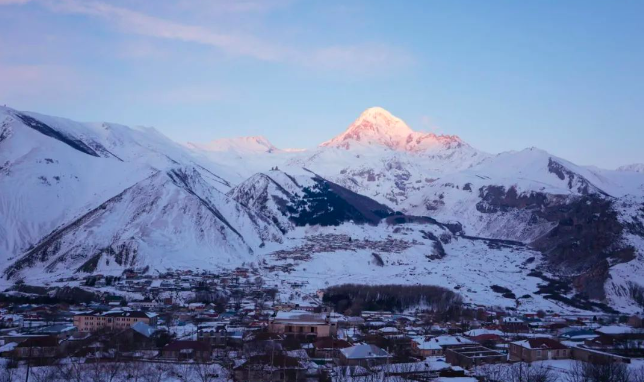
{"type": "Point", "coordinates": [514, 325]}
{"type": "Point", "coordinates": [467, 356]}
{"type": "Point", "coordinates": [216, 335]}
{"type": "Point", "coordinates": [60, 331]}
{"type": "Point", "coordinates": [578, 335]}
{"type": "Point", "coordinates": [112, 320]}
{"type": "Point", "coordinates": [139, 336]}
{"type": "Point", "coordinates": [621, 332]}
{"type": "Point", "coordinates": [635, 321]}
{"type": "Point", "coordinates": [143, 304]}
{"type": "Point", "coordinates": [328, 347]}
{"type": "Point", "coordinates": [435, 346]}
{"type": "Point", "coordinates": [262, 342]}
{"type": "Point", "coordinates": [593, 356]}
{"type": "Point", "coordinates": [271, 368]}
{"type": "Point", "coordinates": [186, 350]}
{"type": "Point", "coordinates": [489, 340]}
{"type": "Point", "coordinates": [482, 331]}
{"type": "Point", "coordinates": [537, 349]}
{"type": "Point", "coordinates": [7, 350]}
{"type": "Point", "coordinates": [38, 347]}
{"type": "Point", "coordinates": [363, 355]}
{"type": "Point", "coordinates": [197, 306]}
{"type": "Point", "coordinates": [411, 370]}
{"type": "Point", "coordinates": [302, 324]}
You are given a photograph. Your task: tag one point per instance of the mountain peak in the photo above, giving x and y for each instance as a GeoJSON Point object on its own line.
{"type": "Point", "coordinates": [378, 127]}
{"type": "Point", "coordinates": [374, 126]}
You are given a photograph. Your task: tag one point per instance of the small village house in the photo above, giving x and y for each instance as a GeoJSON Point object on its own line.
{"type": "Point", "coordinates": [364, 355]}
{"type": "Point", "coordinates": [538, 349]}
{"type": "Point", "coordinates": [113, 320]}
{"type": "Point", "coordinates": [303, 324]}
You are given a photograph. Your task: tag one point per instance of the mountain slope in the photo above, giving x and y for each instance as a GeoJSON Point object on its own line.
{"type": "Point", "coordinates": [77, 192]}
{"type": "Point", "coordinates": [306, 199]}
{"type": "Point", "coordinates": [167, 219]}
{"type": "Point", "coordinates": [101, 197]}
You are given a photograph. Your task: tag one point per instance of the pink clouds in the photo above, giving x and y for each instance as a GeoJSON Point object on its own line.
{"type": "Point", "coordinates": [349, 58]}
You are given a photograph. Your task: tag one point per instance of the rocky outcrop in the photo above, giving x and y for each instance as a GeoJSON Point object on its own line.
{"type": "Point", "coordinates": [591, 283]}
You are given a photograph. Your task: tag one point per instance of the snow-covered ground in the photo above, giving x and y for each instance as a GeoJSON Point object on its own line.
{"type": "Point", "coordinates": [470, 267]}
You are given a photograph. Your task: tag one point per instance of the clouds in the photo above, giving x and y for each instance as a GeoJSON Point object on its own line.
{"type": "Point", "coordinates": [142, 24]}
{"type": "Point", "coordinates": [362, 58]}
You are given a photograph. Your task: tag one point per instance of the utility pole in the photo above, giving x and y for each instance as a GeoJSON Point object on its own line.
{"type": "Point", "coordinates": [28, 364]}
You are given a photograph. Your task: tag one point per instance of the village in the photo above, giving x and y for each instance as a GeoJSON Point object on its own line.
{"type": "Point", "coordinates": [236, 326]}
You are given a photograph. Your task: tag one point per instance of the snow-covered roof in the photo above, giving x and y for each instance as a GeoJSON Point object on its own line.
{"type": "Point", "coordinates": [478, 332]}
{"type": "Point", "coordinates": [540, 343]}
{"type": "Point", "coordinates": [437, 343]}
{"type": "Point", "coordinates": [300, 316]}
{"type": "Point", "coordinates": [8, 347]}
{"type": "Point", "coordinates": [143, 328]}
{"type": "Point", "coordinates": [615, 329]}
{"type": "Point", "coordinates": [364, 351]}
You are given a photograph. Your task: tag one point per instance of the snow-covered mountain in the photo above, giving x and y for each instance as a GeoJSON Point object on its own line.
{"type": "Point", "coordinates": [635, 167]}
{"type": "Point", "coordinates": [377, 127]}
{"type": "Point", "coordinates": [241, 145]}
{"type": "Point", "coordinates": [579, 217]}
{"type": "Point", "coordinates": [93, 196]}
{"type": "Point", "coordinates": [101, 197]}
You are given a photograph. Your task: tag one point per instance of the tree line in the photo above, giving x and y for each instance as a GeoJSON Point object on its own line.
{"type": "Point", "coordinates": [352, 299]}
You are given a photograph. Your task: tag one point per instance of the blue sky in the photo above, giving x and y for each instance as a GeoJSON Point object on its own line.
{"type": "Point", "coordinates": [565, 76]}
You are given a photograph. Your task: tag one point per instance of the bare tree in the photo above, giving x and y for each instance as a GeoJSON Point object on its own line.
{"type": "Point", "coordinates": [109, 371]}
{"type": "Point", "coordinates": [134, 371]}
{"type": "Point", "coordinates": [206, 372]}
{"type": "Point", "coordinates": [598, 372]}
{"type": "Point", "coordinates": [43, 374]}
{"type": "Point", "coordinates": [155, 372]}
{"type": "Point", "coordinates": [183, 372]}
{"type": "Point", "coordinates": [71, 370]}
{"type": "Point", "coordinates": [519, 372]}
{"type": "Point", "coordinates": [637, 375]}
{"type": "Point", "coordinates": [7, 372]}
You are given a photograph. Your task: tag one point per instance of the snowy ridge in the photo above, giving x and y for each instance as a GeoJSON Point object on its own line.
{"type": "Point", "coordinates": [176, 211]}
{"type": "Point", "coordinates": [241, 145]}
{"type": "Point", "coordinates": [635, 167]}
{"type": "Point", "coordinates": [102, 197]}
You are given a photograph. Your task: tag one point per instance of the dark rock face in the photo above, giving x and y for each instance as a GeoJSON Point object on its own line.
{"type": "Point", "coordinates": [437, 246]}
{"type": "Point", "coordinates": [5, 131]}
{"type": "Point", "coordinates": [587, 233]}
{"type": "Point", "coordinates": [51, 132]}
{"type": "Point", "coordinates": [327, 203]}
{"type": "Point", "coordinates": [576, 182]}
{"type": "Point", "coordinates": [498, 199]}
{"type": "Point", "coordinates": [377, 259]}
{"type": "Point", "coordinates": [591, 283]}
